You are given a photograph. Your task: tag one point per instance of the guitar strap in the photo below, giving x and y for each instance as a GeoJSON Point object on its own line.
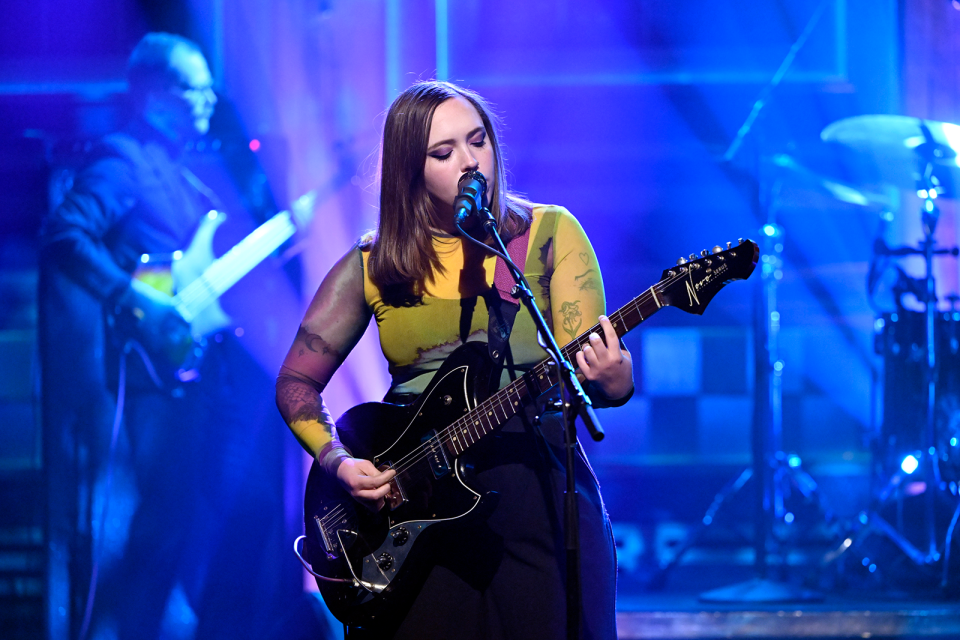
{"type": "Point", "coordinates": [503, 307]}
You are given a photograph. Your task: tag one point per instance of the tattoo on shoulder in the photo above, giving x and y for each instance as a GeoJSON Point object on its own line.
{"type": "Point", "coordinates": [315, 343]}
{"type": "Point", "coordinates": [589, 285]}
{"type": "Point", "coordinates": [572, 318]}
{"type": "Point", "coordinates": [584, 274]}
{"type": "Point", "coordinates": [585, 281]}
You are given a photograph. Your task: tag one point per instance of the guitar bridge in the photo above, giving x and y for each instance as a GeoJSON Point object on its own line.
{"type": "Point", "coordinates": [396, 497]}
{"type": "Point", "coordinates": [337, 534]}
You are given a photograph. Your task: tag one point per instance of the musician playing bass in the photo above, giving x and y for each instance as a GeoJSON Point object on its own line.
{"type": "Point", "coordinates": [430, 292]}
{"type": "Point", "coordinates": [161, 488]}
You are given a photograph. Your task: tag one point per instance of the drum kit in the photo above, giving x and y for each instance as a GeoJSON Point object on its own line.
{"type": "Point", "coordinates": [917, 336]}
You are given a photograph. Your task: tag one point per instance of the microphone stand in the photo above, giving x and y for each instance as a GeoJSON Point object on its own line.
{"type": "Point", "coordinates": [573, 402]}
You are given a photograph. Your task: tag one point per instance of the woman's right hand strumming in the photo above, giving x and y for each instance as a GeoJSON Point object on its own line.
{"type": "Point", "coordinates": [364, 482]}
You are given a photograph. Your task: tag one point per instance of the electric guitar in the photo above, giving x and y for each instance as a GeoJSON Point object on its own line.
{"type": "Point", "coordinates": [360, 559]}
{"type": "Point", "coordinates": [195, 279]}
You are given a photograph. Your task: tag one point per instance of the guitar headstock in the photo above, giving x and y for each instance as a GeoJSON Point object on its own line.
{"type": "Point", "coordinates": [691, 285]}
{"type": "Point", "coordinates": [303, 209]}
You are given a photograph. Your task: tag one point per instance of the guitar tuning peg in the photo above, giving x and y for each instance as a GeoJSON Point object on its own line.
{"type": "Point", "coordinates": [739, 240]}
{"type": "Point", "coordinates": [717, 249]}
{"type": "Point", "coordinates": [704, 254]}
{"type": "Point", "coordinates": [682, 261]}
{"type": "Point", "coordinates": [693, 257]}
{"type": "Point", "coordinates": [729, 244]}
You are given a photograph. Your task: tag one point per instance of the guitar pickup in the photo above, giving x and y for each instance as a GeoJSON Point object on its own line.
{"type": "Point", "coordinates": [436, 455]}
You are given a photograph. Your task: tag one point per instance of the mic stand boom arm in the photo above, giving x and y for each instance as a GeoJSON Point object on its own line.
{"type": "Point", "coordinates": [573, 401]}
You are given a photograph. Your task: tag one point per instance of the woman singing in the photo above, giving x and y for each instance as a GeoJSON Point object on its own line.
{"type": "Point", "coordinates": [502, 576]}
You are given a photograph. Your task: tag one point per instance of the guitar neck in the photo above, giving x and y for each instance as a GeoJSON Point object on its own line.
{"type": "Point", "coordinates": [234, 264]}
{"type": "Point", "coordinates": [493, 412]}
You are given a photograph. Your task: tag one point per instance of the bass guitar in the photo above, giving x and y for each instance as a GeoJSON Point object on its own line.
{"type": "Point", "coordinates": [195, 279]}
{"type": "Point", "coordinates": [360, 559]}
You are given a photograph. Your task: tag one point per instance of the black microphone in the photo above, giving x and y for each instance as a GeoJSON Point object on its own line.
{"type": "Point", "coordinates": [471, 198]}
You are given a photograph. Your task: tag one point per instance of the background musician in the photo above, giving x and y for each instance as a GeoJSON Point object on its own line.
{"type": "Point", "coordinates": [148, 513]}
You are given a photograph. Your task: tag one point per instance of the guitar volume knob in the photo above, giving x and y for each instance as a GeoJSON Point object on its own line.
{"type": "Point", "coordinates": [401, 536]}
{"type": "Point", "coordinates": [385, 562]}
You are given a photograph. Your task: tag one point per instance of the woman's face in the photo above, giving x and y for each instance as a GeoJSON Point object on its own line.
{"type": "Point", "coordinates": [458, 143]}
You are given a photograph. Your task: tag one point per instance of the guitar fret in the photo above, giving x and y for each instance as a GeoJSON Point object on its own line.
{"type": "Point", "coordinates": [505, 408]}
{"type": "Point", "coordinates": [454, 439]}
{"type": "Point", "coordinates": [484, 428]}
{"type": "Point", "coordinates": [499, 411]}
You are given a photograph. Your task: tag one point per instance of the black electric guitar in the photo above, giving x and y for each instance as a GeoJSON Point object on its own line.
{"type": "Point", "coordinates": [361, 559]}
{"type": "Point", "coordinates": [195, 280]}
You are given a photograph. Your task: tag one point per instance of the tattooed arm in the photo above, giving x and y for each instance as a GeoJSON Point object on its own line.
{"type": "Point", "coordinates": [576, 298]}
{"type": "Point", "coordinates": [332, 326]}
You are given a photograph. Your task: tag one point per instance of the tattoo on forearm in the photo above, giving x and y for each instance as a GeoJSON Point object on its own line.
{"type": "Point", "coordinates": [572, 318]}
{"type": "Point", "coordinates": [298, 402]}
{"type": "Point", "coordinates": [313, 342]}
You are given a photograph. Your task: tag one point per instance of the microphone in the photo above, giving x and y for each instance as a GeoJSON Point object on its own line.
{"type": "Point", "coordinates": [471, 198]}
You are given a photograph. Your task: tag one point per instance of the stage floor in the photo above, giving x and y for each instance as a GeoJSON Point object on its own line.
{"type": "Point", "coordinates": [677, 615]}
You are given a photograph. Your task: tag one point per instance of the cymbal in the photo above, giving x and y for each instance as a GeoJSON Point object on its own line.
{"type": "Point", "coordinates": [900, 145]}
{"type": "Point", "coordinates": [837, 189]}
{"type": "Point", "coordinates": [896, 135]}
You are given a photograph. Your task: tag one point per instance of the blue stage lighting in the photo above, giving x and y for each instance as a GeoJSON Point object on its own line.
{"type": "Point", "coordinates": [909, 464]}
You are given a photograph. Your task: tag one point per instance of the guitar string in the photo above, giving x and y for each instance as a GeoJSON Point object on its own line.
{"type": "Point", "coordinates": [453, 430]}
{"type": "Point", "coordinates": [445, 436]}
{"type": "Point", "coordinates": [406, 467]}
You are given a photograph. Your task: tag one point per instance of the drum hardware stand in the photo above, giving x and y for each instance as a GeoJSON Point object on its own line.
{"type": "Point", "coordinates": [772, 469]}
{"type": "Point", "coordinates": [870, 520]}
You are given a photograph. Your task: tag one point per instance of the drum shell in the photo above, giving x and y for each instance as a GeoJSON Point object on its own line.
{"type": "Point", "coordinates": [901, 341]}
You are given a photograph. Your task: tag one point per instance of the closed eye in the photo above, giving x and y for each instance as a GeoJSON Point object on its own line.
{"type": "Point", "coordinates": [443, 157]}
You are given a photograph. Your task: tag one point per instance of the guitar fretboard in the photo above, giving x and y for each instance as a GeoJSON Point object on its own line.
{"type": "Point", "coordinates": [493, 412]}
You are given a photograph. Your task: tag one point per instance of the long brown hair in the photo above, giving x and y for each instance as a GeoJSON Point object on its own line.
{"type": "Point", "coordinates": [402, 256]}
